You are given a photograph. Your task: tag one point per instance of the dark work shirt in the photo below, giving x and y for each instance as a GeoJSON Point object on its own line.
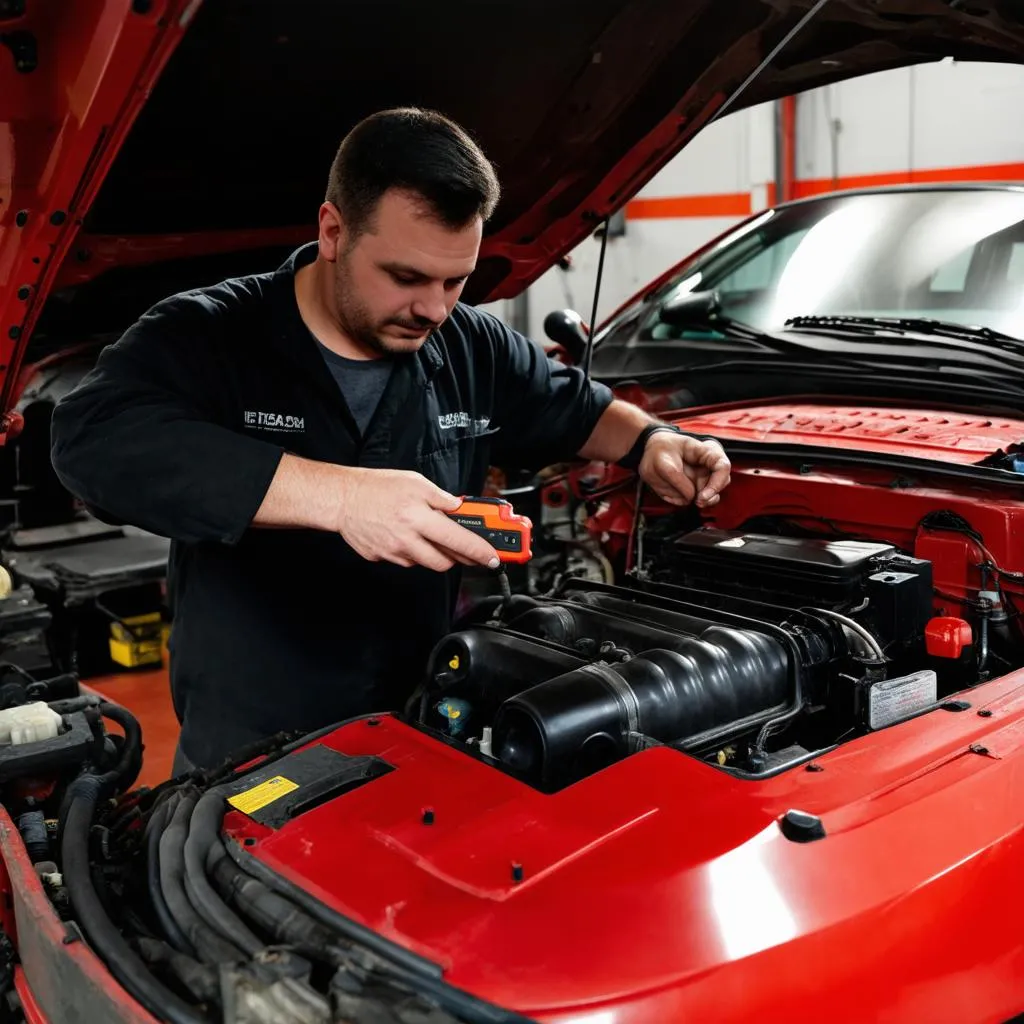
{"type": "Point", "coordinates": [179, 430]}
{"type": "Point", "coordinates": [362, 382]}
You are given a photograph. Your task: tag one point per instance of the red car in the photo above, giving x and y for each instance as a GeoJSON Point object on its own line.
{"type": "Point", "coordinates": [771, 764]}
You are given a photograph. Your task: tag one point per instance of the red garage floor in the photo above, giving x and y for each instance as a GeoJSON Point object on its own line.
{"type": "Point", "coordinates": [147, 695]}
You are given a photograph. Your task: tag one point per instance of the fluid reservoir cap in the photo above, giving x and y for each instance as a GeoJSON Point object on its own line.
{"type": "Point", "coordinates": [946, 636]}
{"type": "Point", "coordinates": [801, 827]}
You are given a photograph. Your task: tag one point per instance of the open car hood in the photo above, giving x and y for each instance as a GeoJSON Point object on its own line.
{"type": "Point", "coordinates": [194, 139]}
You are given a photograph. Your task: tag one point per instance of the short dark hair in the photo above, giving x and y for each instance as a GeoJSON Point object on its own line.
{"type": "Point", "coordinates": [420, 151]}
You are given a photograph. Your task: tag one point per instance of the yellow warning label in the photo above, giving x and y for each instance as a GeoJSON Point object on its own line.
{"type": "Point", "coordinates": [251, 800]}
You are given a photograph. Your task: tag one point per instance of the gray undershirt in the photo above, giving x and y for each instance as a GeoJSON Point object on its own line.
{"type": "Point", "coordinates": [362, 383]}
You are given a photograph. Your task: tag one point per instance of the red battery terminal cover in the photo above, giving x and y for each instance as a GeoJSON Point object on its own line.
{"type": "Point", "coordinates": [494, 519]}
{"type": "Point", "coordinates": [947, 636]}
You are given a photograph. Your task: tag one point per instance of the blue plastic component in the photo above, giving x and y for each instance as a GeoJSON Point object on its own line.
{"type": "Point", "coordinates": [457, 712]}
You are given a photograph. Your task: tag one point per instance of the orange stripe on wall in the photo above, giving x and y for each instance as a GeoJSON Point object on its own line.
{"type": "Point", "coordinates": [733, 204]}
{"type": "Point", "coordinates": [926, 176]}
{"type": "Point", "coordinates": [738, 204]}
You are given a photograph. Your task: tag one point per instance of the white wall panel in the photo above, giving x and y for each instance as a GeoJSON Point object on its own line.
{"type": "Point", "coordinates": [935, 116]}
{"type": "Point", "coordinates": [968, 114]}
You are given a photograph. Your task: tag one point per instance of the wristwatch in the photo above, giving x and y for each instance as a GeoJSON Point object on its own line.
{"type": "Point", "coordinates": [632, 459]}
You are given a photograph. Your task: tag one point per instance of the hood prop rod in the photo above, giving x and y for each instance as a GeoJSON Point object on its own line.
{"type": "Point", "coordinates": [722, 110]}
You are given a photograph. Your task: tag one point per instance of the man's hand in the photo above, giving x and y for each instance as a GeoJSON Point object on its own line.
{"type": "Point", "coordinates": [386, 515]}
{"type": "Point", "coordinates": [681, 469]}
{"type": "Point", "coordinates": [390, 515]}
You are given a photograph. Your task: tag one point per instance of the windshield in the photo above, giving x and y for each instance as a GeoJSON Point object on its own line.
{"type": "Point", "coordinates": [952, 255]}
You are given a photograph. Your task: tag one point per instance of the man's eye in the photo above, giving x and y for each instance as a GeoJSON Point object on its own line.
{"type": "Point", "coordinates": [405, 279]}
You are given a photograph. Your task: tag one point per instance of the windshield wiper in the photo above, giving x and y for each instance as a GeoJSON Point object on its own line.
{"type": "Point", "coordinates": [703, 311]}
{"type": "Point", "coordinates": [909, 325]}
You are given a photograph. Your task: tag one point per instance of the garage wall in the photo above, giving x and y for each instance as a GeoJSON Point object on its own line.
{"type": "Point", "coordinates": [927, 122]}
{"type": "Point", "coordinates": [938, 122]}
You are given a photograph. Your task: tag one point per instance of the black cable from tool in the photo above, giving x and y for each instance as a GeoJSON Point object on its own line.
{"type": "Point", "coordinates": [105, 938]}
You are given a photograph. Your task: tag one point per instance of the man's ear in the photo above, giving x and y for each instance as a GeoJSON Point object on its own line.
{"type": "Point", "coordinates": [332, 236]}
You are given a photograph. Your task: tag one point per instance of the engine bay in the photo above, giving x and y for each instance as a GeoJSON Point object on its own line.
{"type": "Point", "coordinates": [753, 647]}
{"type": "Point", "coordinates": [707, 654]}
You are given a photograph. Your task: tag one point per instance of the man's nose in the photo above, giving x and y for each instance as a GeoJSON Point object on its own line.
{"type": "Point", "coordinates": [430, 304]}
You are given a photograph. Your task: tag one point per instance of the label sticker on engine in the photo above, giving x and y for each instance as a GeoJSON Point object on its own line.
{"type": "Point", "coordinates": [893, 700]}
{"type": "Point", "coordinates": [251, 800]}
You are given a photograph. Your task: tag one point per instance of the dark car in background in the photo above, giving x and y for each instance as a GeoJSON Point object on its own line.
{"type": "Point", "coordinates": [913, 292]}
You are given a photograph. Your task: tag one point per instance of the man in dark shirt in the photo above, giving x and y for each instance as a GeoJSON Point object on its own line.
{"type": "Point", "coordinates": [299, 434]}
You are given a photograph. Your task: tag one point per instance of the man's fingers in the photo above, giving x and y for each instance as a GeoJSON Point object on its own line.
{"type": "Point", "coordinates": [456, 557]}
{"type": "Point", "coordinates": [419, 552]}
{"type": "Point", "coordinates": [445, 533]}
{"type": "Point", "coordinates": [439, 498]}
{"type": "Point", "coordinates": [721, 474]}
{"type": "Point", "coordinates": [672, 480]}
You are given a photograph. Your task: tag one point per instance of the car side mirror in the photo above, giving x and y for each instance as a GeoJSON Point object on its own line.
{"type": "Point", "coordinates": [691, 309]}
{"type": "Point", "coordinates": [565, 326]}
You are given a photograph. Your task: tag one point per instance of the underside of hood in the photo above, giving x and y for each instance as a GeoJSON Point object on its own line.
{"type": "Point", "coordinates": [135, 134]}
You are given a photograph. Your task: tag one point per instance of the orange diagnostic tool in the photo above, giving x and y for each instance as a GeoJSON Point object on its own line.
{"type": "Point", "coordinates": [494, 520]}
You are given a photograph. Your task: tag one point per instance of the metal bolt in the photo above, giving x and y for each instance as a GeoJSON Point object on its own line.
{"type": "Point", "coordinates": [977, 748]}
{"type": "Point", "coordinates": [373, 721]}
{"type": "Point", "coordinates": [142, 6]}
{"type": "Point", "coordinates": [428, 816]}
{"type": "Point", "coordinates": [814, 768]}
{"type": "Point", "coordinates": [249, 841]}
{"type": "Point", "coordinates": [58, 217]}
{"type": "Point", "coordinates": [14, 333]}
{"type": "Point", "coordinates": [985, 713]}
{"type": "Point", "coordinates": [517, 871]}
{"type": "Point", "coordinates": [21, 219]}
{"type": "Point", "coordinates": [24, 292]}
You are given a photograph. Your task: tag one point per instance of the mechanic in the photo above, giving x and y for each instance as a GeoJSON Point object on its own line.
{"type": "Point", "coordinates": [298, 435]}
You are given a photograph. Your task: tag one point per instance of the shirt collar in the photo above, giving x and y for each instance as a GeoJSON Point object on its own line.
{"type": "Point", "coordinates": [430, 357]}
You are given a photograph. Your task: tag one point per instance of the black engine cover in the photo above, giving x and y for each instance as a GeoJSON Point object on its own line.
{"type": "Point", "coordinates": [603, 671]}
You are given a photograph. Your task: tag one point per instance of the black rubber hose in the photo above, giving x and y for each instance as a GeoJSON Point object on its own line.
{"type": "Point", "coordinates": [209, 946]}
{"type": "Point", "coordinates": [416, 965]}
{"type": "Point", "coordinates": [404, 969]}
{"type": "Point", "coordinates": [103, 936]}
{"type": "Point", "coordinates": [201, 980]}
{"type": "Point", "coordinates": [124, 768]}
{"type": "Point", "coordinates": [71, 704]}
{"type": "Point", "coordinates": [203, 832]}
{"type": "Point", "coordinates": [274, 914]}
{"type": "Point", "coordinates": [171, 929]}
{"type": "Point", "coordinates": [130, 763]}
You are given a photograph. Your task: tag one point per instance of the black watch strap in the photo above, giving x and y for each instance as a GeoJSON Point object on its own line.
{"type": "Point", "coordinates": [632, 459]}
